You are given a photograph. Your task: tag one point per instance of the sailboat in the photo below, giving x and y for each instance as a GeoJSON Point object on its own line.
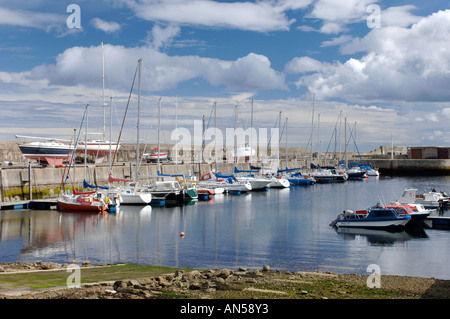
{"type": "Point", "coordinates": [48, 151]}
{"type": "Point", "coordinates": [81, 201]}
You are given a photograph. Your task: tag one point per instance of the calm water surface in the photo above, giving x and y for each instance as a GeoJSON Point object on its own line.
{"type": "Point", "coordinates": [283, 228]}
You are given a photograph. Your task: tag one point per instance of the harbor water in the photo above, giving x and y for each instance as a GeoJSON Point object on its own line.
{"type": "Point", "coordinates": [287, 229]}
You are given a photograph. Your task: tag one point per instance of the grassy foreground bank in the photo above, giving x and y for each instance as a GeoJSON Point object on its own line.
{"type": "Point", "coordinates": [129, 281]}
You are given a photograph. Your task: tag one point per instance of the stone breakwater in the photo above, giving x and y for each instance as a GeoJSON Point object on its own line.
{"type": "Point", "coordinates": [242, 283]}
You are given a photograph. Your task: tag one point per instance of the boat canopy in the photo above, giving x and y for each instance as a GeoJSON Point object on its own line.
{"type": "Point", "coordinates": [86, 185]}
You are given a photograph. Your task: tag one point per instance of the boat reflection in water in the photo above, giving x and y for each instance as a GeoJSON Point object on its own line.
{"type": "Point", "coordinates": [381, 237]}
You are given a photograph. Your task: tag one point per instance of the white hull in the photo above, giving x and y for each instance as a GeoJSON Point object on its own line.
{"type": "Point", "coordinates": [279, 183]}
{"type": "Point", "coordinates": [135, 199]}
{"type": "Point", "coordinates": [256, 183]}
{"type": "Point", "coordinates": [240, 186]}
{"type": "Point", "coordinates": [372, 224]}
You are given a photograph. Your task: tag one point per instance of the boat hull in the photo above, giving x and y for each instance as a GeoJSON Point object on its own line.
{"type": "Point", "coordinates": [52, 155]}
{"type": "Point", "coordinates": [88, 206]}
{"type": "Point", "coordinates": [373, 224]}
{"type": "Point", "coordinates": [135, 199]}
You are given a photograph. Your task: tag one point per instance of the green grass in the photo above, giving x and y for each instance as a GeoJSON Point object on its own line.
{"type": "Point", "coordinates": [47, 279]}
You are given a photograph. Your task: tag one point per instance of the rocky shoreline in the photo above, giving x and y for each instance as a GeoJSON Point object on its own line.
{"type": "Point", "coordinates": [241, 283]}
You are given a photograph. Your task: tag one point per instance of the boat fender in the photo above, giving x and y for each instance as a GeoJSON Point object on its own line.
{"type": "Point", "coordinates": [107, 200]}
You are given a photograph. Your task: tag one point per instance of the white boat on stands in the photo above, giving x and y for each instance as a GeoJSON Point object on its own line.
{"type": "Point", "coordinates": [155, 156]}
{"type": "Point", "coordinates": [50, 151]}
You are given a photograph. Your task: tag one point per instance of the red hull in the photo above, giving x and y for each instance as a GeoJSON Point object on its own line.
{"type": "Point", "coordinates": [80, 207]}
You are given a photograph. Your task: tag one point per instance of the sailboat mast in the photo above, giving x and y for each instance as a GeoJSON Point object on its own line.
{"type": "Point", "coordinates": [312, 129]}
{"type": "Point", "coordinates": [286, 143]}
{"type": "Point", "coordinates": [176, 130]}
{"type": "Point", "coordinates": [215, 136]}
{"type": "Point", "coordinates": [137, 123]}
{"type": "Point", "coordinates": [85, 145]}
{"type": "Point", "coordinates": [110, 132]}
{"type": "Point", "coordinates": [103, 93]}
{"type": "Point", "coordinates": [251, 136]}
{"type": "Point", "coordinates": [159, 127]}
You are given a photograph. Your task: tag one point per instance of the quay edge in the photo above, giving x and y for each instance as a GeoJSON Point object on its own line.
{"type": "Point", "coordinates": [411, 167]}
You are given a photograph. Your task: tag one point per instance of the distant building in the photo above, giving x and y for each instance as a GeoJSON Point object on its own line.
{"type": "Point", "coordinates": [428, 152]}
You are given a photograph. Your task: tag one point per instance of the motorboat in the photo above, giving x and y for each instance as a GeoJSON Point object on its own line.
{"type": "Point", "coordinates": [373, 218]}
{"type": "Point", "coordinates": [418, 215]}
{"type": "Point", "coordinates": [432, 199]}
{"type": "Point", "coordinates": [171, 191]}
{"type": "Point", "coordinates": [329, 176]}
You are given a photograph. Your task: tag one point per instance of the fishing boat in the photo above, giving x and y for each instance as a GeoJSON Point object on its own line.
{"type": "Point", "coordinates": [373, 218]}
{"type": "Point", "coordinates": [47, 151]}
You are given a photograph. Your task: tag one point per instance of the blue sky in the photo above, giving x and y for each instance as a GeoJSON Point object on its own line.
{"type": "Point", "coordinates": [392, 79]}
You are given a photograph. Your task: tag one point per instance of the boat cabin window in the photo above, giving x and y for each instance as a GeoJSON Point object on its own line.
{"type": "Point", "coordinates": [382, 213]}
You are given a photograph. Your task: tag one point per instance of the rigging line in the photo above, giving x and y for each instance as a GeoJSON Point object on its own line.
{"type": "Point", "coordinates": [63, 184]}
{"type": "Point", "coordinates": [203, 139]}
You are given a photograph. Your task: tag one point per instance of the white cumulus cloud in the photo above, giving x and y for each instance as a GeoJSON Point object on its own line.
{"type": "Point", "coordinates": [105, 26]}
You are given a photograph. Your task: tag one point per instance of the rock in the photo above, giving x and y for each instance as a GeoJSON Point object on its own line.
{"type": "Point", "coordinates": [224, 273]}
{"type": "Point", "coordinates": [50, 265]}
{"type": "Point", "coordinates": [119, 284]}
{"type": "Point", "coordinates": [2, 269]}
{"type": "Point", "coordinates": [266, 268]}
{"type": "Point", "coordinates": [86, 263]}
{"type": "Point", "coordinates": [195, 285]}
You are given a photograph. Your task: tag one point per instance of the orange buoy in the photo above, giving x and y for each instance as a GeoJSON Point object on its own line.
{"type": "Point", "coordinates": [182, 234]}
